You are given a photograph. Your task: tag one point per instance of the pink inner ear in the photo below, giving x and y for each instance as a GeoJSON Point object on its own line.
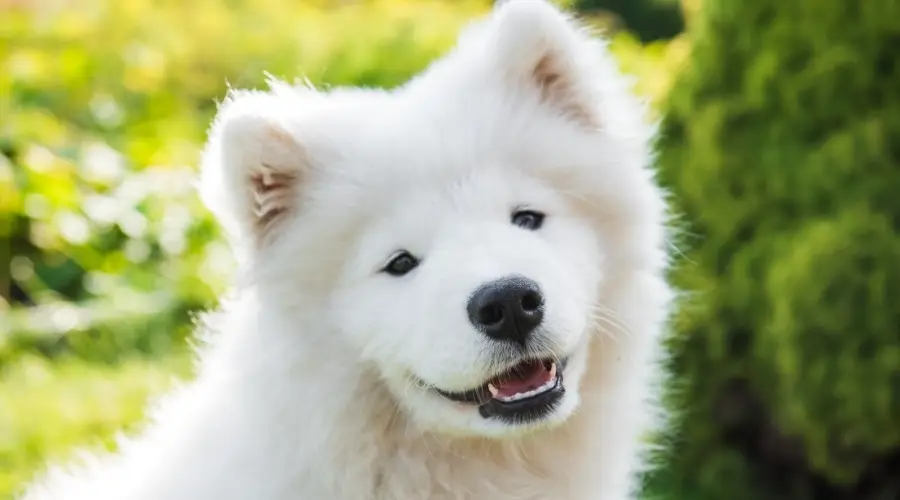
{"type": "Point", "coordinates": [561, 90]}
{"type": "Point", "coordinates": [272, 192]}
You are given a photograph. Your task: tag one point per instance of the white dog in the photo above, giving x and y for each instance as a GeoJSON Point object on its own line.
{"type": "Point", "coordinates": [451, 290]}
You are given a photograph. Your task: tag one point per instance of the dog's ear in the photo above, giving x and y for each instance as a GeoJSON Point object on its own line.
{"type": "Point", "coordinates": [535, 44]}
{"type": "Point", "coordinates": [254, 165]}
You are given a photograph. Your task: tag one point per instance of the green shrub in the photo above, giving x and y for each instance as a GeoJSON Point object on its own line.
{"type": "Point", "coordinates": [781, 144]}
{"type": "Point", "coordinates": [649, 19]}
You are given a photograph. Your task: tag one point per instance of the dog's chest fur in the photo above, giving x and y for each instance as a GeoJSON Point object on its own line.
{"type": "Point", "coordinates": [430, 470]}
{"type": "Point", "coordinates": [391, 460]}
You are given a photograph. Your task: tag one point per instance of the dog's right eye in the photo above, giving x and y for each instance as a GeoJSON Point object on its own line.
{"type": "Point", "coordinates": [401, 264]}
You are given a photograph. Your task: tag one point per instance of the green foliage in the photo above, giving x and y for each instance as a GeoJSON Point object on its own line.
{"type": "Point", "coordinates": [648, 19]}
{"type": "Point", "coordinates": [781, 147]}
{"type": "Point", "coordinates": [654, 65]}
{"type": "Point", "coordinates": [105, 106]}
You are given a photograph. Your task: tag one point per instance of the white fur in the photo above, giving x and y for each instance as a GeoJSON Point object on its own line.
{"type": "Point", "coordinates": [314, 384]}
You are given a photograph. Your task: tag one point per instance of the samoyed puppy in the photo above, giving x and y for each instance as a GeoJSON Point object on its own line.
{"type": "Point", "coordinates": [450, 290]}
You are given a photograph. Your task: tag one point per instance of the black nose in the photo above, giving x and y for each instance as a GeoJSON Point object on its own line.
{"type": "Point", "coordinates": [509, 308]}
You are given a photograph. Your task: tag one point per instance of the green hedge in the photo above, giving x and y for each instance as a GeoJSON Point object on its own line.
{"type": "Point", "coordinates": [781, 144]}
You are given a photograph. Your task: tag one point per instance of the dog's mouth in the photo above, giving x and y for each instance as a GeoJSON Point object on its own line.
{"type": "Point", "coordinates": [528, 391]}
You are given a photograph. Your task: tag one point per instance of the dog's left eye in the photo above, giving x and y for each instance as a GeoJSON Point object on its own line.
{"type": "Point", "coordinates": [528, 219]}
{"type": "Point", "coordinates": [401, 264]}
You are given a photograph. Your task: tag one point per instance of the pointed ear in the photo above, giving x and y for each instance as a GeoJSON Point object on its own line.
{"type": "Point", "coordinates": [254, 165]}
{"type": "Point", "coordinates": [539, 46]}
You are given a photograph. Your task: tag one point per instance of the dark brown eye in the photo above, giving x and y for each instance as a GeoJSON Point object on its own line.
{"type": "Point", "coordinates": [528, 219]}
{"type": "Point", "coordinates": [401, 264]}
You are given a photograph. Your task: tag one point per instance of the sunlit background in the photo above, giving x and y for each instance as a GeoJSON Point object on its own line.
{"type": "Point", "coordinates": [780, 146]}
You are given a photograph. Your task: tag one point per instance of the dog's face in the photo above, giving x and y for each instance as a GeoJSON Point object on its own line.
{"type": "Point", "coordinates": [456, 233]}
{"type": "Point", "coordinates": [473, 297]}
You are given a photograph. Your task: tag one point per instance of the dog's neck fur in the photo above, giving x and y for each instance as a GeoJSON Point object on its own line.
{"type": "Point", "coordinates": [389, 458]}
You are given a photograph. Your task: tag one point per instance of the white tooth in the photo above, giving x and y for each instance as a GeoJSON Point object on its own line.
{"type": "Point", "coordinates": [523, 395]}
{"type": "Point", "coordinates": [549, 385]}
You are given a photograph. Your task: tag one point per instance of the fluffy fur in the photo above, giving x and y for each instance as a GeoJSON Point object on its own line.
{"type": "Point", "coordinates": [317, 379]}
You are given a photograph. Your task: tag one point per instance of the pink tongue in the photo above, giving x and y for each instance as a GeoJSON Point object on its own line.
{"type": "Point", "coordinates": [537, 377]}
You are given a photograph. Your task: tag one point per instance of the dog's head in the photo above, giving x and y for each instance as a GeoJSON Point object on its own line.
{"type": "Point", "coordinates": [456, 233]}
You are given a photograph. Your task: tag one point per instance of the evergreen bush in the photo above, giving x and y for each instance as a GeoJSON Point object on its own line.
{"type": "Point", "coordinates": [781, 145]}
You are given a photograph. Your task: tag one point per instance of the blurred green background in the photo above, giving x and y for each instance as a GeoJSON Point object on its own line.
{"type": "Point", "coordinates": [780, 145]}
